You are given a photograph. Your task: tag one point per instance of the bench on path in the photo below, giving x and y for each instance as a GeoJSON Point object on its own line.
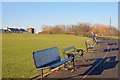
{"type": "Point", "coordinates": [48, 58]}
{"type": "Point", "coordinates": [95, 40]}
{"type": "Point", "coordinates": [88, 45]}
{"type": "Point", "coordinates": [73, 52]}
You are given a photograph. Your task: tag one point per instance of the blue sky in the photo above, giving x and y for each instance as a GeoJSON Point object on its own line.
{"type": "Point", "coordinates": [36, 14]}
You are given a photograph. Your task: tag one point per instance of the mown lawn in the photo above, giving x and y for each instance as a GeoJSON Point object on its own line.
{"type": "Point", "coordinates": [17, 61]}
{"type": "Point", "coordinates": [115, 37]}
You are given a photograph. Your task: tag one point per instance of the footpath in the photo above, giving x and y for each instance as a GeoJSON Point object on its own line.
{"type": "Point", "coordinates": [96, 64]}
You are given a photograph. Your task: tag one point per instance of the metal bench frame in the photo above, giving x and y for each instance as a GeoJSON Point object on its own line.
{"type": "Point", "coordinates": [95, 39]}
{"type": "Point", "coordinates": [74, 52]}
{"type": "Point", "coordinates": [88, 45]}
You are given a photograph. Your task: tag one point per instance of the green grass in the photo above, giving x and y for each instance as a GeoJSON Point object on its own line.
{"type": "Point", "coordinates": [17, 61]}
{"type": "Point", "coordinates": [115, 37]}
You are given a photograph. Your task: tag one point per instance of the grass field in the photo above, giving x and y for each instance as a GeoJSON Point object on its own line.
{"type": "Point", "coordinates": [17, 61]}
{"type": "Point", "coordinates": [114, 37]}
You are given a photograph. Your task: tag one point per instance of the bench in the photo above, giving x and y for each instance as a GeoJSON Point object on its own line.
{"type": "Point", "coordinates": [48, 58]}
{"type": "Point", "coordinates": [95, 39]}
{"type": "Point", "coordinates": [93, 34]}
{"type": "Point", "coordinates": [73, 52]}
{"type": "Point", "coordinates": [88, 46]}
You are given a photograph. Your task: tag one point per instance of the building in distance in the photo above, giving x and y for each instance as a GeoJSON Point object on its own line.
{"type": "Point", "coordinates": [30, 30]}
{"type": "Point", "coordinates": [17, 30]}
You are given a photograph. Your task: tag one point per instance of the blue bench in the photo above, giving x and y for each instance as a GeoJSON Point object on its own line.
{"type": "Point", "coordinates": [88, 45]}
{"type": "Point", "coordinates": [95, 39]}
{"type": "Point", "coordinates": [48, 58]}
{"type": "Point", "coordinates": [73, 52]}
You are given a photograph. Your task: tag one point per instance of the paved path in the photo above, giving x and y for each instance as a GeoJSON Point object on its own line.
{"type": "Point", "coordinates": [98, 64]}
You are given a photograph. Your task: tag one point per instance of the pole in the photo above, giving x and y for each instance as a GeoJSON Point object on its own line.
{"type": "Point", "coordinates": [41, 74]}
{"type": "Point", "coordinates": [110, 26]}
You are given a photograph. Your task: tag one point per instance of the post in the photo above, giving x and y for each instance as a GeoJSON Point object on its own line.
{"type": "Point", "coordinates": [110, 26]}
{"type": "Point", "coordinates": [86, 46]}
{"type": "Point", "coordinates": [41, 71]}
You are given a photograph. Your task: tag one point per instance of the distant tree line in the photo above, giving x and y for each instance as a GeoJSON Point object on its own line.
{"type": "Point", "coordinates": [81, 29]}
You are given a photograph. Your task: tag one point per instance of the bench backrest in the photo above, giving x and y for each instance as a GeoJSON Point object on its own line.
{"type": "Point", "coordinates": [46, 56]}
{"type": "Point", "coordinates": [69, 49]}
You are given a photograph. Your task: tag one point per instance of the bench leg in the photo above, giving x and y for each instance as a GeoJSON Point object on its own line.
{"type": "Point", "coordinates": [87, 49]}
{"type": "Point", "coordinates": [73, 61]}
{"type": "Point", "coordinates": [41, 72]}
